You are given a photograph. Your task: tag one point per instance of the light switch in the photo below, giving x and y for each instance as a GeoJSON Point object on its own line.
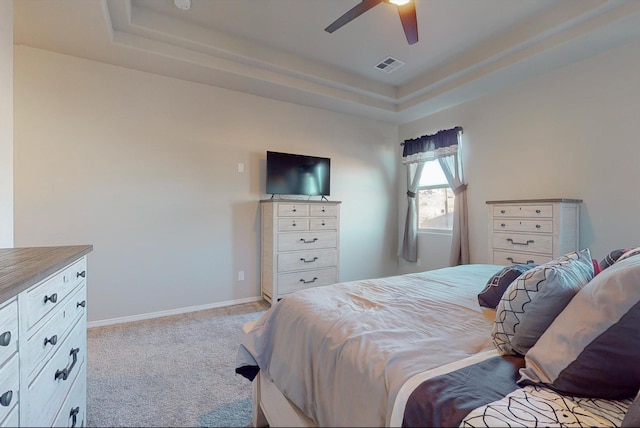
{"type": "Point", "coordinates": [240, 167]}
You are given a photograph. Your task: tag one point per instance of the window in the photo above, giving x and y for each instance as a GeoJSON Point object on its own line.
{"type": "Point", "coordinates": [435, 199]}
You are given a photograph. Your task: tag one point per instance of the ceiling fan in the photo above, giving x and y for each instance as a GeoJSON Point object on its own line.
{"type": "Point", "coordinates": [406, 10]}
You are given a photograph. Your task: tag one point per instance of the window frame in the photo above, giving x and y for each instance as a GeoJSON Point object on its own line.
{"type": "Point", "coordinates": [429, 230]}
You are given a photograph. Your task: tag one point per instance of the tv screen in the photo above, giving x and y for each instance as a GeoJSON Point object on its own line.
{"type": "Point", "coordinates": [290, 174]}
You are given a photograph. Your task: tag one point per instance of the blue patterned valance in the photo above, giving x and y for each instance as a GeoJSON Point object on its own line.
{"type": "Point", "coordinates": [431, 147]}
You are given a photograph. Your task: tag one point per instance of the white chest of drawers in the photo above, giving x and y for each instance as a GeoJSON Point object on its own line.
{"type": "Point", "coordinates": [45, 360]}
{"type": "Point", "coordinates": [532, 231]}
{"type": "Point", "coordinates": [9, 378]}
{"type": "Point", "coordinates": [299, 246]}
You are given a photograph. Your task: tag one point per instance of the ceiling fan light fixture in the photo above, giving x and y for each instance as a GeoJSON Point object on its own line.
{"type": "Point", "coordinates": [182, 4]}
{"type": "Point", "coordinates": [399, 2]}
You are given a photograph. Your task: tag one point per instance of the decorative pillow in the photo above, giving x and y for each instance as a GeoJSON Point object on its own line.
{"type": "Point", "coordinates": [629, 253]}
{"type": "Point", "coordinates": [632, 418]}
{"type": "Point", "coordinates": [592, 347]}
{"type": "Point", "coordinates": [498, 283]}
{"type": "Point", "coordinates": [535, 298]}
{"type": "Point", "coordinates": [612, 257]}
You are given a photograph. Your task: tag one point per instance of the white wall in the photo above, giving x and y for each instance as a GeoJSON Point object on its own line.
{"type": "Point", "coordinates": [570, 133]}
{"type": "Point", "coordinates": [144, 167]}
{"type": "Point", "coordinates": [6, 124]}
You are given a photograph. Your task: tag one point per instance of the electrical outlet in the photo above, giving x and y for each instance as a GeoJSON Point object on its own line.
{"type": "Point", "coordinates": [241, 275]}
{"type": "Point", "coordinates": [418, 262]}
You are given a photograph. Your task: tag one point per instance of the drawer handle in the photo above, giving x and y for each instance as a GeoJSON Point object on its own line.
{"type": "Point", "coordinates": [537, 211]}
{"type": "Point", "coordinates": [502, 211]}
{"type": "Point", "coordinates": [309, 282]}
{"type": "Point", "coordinates": [52, 340]}
{"type": "Point", "coordinates": [529, 241]}
{"type": "Point", "coordinates": [308, 242]}
{"type": "Point", "coordinates": [83, 304]}
{"type": "Point", "coordinates": [5, 339]}
{"type": "Point", "coordinates": [503, 225]}
{"type": "Point", "coordinates": [82, 274]}
{"type": "Point", "coordinates": [520, 263]}
{"type": "Point", "coordinates": [73, 414]}
{"type": "Point", "coordinates": [323, 223]}
{"type": "Point", "coordinates": [323, 210]}
{"type": "Point", "coordinates": [302, 259]}
{"type": "Point", "coordinates": [5, 399]}
{"type": "Point", "coordinates": [538, 226]}
{"type": "Point", "coordinates": [294, 210]}
{"type": "Point", "coordinates": [53, 298]}
{"type": "Point", "coordinates": [64, 373]}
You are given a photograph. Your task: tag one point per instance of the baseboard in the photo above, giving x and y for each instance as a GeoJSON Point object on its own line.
{"type": "Point", "coordinates": [177, 311]}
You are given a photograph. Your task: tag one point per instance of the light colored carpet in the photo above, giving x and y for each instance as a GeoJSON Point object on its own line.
{"type": "Point", "coordinates": [175, 371]}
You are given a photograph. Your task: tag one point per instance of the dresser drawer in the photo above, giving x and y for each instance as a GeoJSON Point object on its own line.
{"type": "Point", "coordinates": [291, 224]}
{"type": "Point", "coordinates": [541, 226]}
{"type": "Point", "coordinates": [520, 242]}
{"type": "Point", "coordinates": [50, 336]}
{"type": "Point", "coordinates": [49, 389]}
{"type": "Point", "coordinates": [290, 282]}
{"type": "Point", "coordinates": [293, 210]}
{"type": "Point", "coordinates": [533, 211]}
{"type": "Point", "coordinates": [74, 410]}
{"type": "Point", "coordinates": [329, 223]}
{"type": "Point", "coordinates": [44, 297]}
{"type": "Point", "coordinates": [306, 260]}
{"type": "Point", "coordinates": [8, 330]}
{"type": "Point", "coordinates": [508, 257]}
{"type": "Point", "coordinates": [324, 210]}
{"type": "Point", "coordinates": [307, 240]}
{"type": "Point", "coordinates": [12, 419]}
{"type": "Point", "coordinates": [9, 386]}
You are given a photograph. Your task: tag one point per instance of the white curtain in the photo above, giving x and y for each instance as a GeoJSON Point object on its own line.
{"type": "Point", "coordinates": [452, 167]}
{"type": "Point", "coordinates": [408, 248]}
{"type": "Point", "coordinates": [445, 146]}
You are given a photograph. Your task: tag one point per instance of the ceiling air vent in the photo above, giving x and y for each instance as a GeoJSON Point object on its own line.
{"type": "Point", "coordinates": [389, 64]}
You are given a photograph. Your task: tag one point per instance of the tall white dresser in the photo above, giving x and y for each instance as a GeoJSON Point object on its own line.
{"type": "Point", "coordinates": [299, 246]}
{"type": "Point", "coordinates": [43, 330]}
{"type": "Point", "coordinates": [532, 230]}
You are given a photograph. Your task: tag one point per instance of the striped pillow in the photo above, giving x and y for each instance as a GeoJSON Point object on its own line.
{"type": "Point", "coordinates": [611, 258]}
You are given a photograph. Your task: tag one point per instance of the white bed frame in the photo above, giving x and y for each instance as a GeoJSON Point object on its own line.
{"type": "Point", "coordinates": [269, 407]}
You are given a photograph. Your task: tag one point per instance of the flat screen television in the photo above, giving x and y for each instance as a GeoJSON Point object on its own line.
{"type": "Point", "coordinates": [291, 174]}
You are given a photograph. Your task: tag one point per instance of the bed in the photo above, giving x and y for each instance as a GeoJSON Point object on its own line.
{"type": "Point", "coordinates": [408, 350]}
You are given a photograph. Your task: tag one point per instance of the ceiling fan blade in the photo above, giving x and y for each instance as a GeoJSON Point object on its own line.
{"type": "Point", "coordinates": [352, 14]}
{"type": "Point", "coordinates": [409, 21]}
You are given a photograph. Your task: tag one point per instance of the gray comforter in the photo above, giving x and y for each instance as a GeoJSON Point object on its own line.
{"type": "Point", "coordinates": [342, 352]}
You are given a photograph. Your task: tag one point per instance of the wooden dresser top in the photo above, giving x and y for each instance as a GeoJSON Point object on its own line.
{"type": "Point", "coordinates": [528, 201]}
{"type": "Point", "coordinates": [20, 268]}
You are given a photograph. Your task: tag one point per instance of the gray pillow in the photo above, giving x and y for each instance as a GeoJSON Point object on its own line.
{"type": "Point", "coordinates": [632, 418]}
{"type": "Point", "coordinates": [612, 257]}
{"type": "Point", "coordinates": [535, 298]}
{"type": "Point", "coordinates": [592, 347]}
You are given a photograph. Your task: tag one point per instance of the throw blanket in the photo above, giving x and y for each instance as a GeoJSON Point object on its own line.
{"type": "Point", "coordinates": [481, 391]}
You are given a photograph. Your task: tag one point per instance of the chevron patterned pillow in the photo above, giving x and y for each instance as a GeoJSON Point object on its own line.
{"type": "Point", "coordinates": [490, 296]}
{"type": "Point", "coordinates": [535, 298]}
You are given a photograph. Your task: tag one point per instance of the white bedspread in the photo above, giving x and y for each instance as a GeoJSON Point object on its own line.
{"type": "Point", "coordinates": [342, 352]}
